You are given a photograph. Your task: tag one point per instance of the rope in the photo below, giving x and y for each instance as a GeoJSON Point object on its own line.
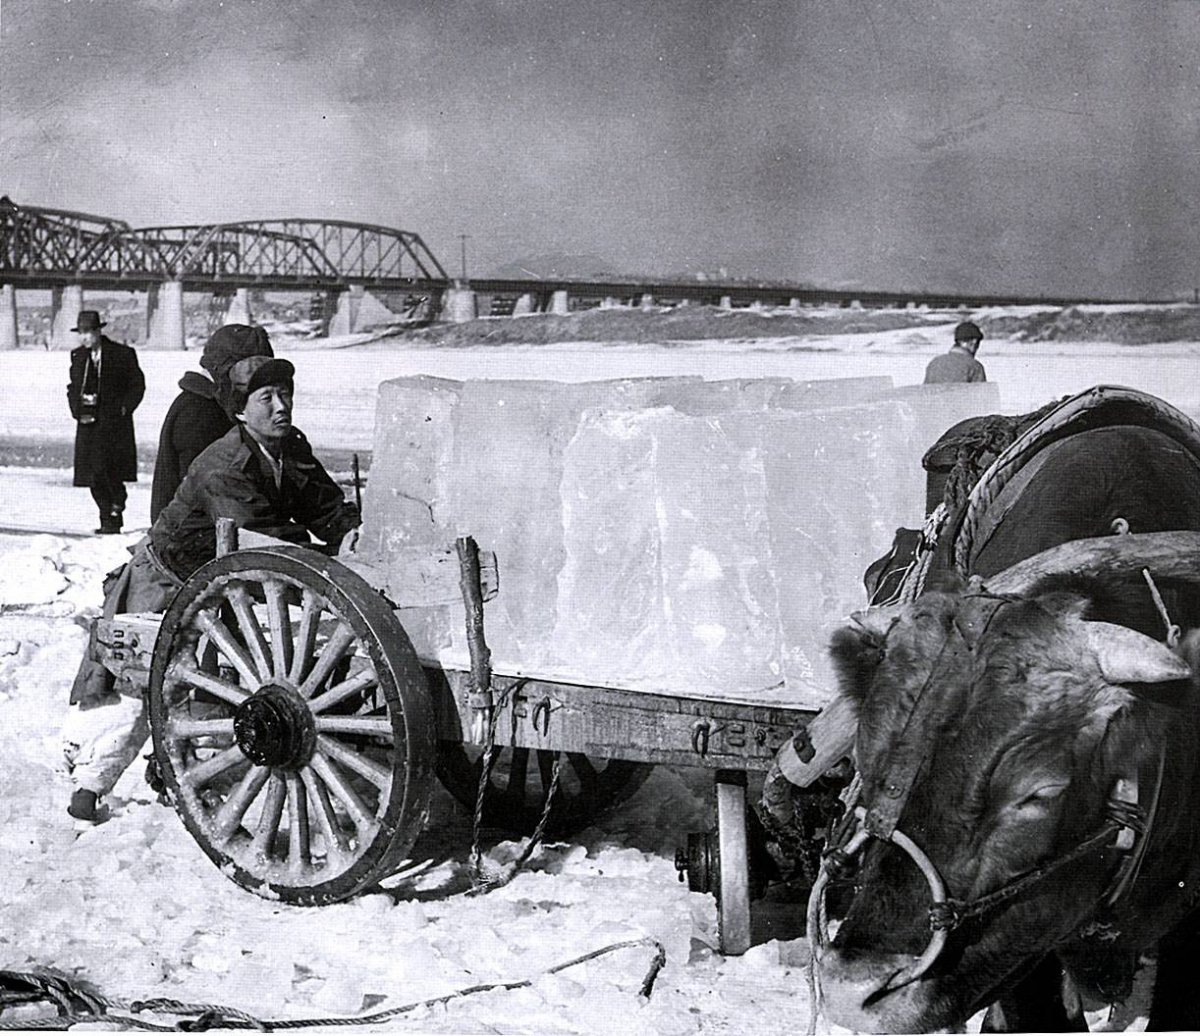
{"type": "Point", "coordinates": [208, 1016]}
{"type": "Point", "coordinates": [481, 881]}
{"type": "Point", "coordinates": [1173, 631]}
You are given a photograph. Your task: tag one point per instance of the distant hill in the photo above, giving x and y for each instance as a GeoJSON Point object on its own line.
{"type": "Point", "coordinates": [557, 266]}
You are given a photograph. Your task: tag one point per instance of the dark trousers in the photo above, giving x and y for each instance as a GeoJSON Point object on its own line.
{"type": "Point", "coordinates": [110, 495]}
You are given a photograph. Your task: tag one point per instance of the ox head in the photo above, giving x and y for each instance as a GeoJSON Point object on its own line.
{"type": "Point", "coordinates": [992, 730]}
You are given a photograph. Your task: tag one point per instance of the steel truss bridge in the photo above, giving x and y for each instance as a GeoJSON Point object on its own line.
{"type": "Point", "coordinates": [49, 248]}
{"type": "Point", "coordinates": [53, 248]}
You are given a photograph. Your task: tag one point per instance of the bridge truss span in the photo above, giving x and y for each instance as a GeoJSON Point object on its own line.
{"type": "Point", "coordinates": [42, 247]}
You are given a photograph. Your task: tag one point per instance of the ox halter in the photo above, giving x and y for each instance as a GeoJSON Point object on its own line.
{"type": "Point", "coordinates": [1125, 826]}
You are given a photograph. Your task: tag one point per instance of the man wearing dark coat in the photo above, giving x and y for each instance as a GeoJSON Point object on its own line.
{"type": "Point", "coordinates": [202, 412]}
{"type": "Point", "coordinates": [262, 474]}
{"type": "Point", "coordinates": [106, 387]}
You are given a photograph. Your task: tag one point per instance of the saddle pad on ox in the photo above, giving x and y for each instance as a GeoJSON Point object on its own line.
{"type": "Point", "coordinates": [1107, 459]}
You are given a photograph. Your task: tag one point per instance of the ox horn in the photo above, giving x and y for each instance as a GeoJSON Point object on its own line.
{"type": "Point", "coordinates": [1126, 656]}
{"type": "Point", "coordinates": [1169, 555]}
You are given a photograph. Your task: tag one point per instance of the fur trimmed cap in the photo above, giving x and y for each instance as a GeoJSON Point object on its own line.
{"type": "Point", "coordinates": [254, 372]}
{"type": "Point", "coordinates": [231, 343]}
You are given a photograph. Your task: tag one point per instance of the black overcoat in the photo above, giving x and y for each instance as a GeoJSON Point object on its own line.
{"type": "Point", "coordinates": [107, 445]}
{"type": "Point", "coordinates": [194, 421]}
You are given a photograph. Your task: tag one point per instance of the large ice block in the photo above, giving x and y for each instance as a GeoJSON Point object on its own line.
{"type": "Point", "coordinates": [665, 533]}
{"type": "Point", "coordinates": [667, 581]}
{"type": "Point", "coordinates": [835, 482]}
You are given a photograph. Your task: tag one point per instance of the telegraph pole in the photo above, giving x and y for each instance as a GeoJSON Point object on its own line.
{"type": "Point", "coordinates": [462, 238]}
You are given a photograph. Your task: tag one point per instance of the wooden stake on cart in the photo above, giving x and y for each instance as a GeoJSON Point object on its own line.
{"type": "Point", "coordinates": [481, 658]}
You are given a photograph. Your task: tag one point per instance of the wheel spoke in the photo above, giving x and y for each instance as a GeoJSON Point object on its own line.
{"type": "Point", "coordinates": [272, 814]}
{"type": "Point", "coordinates": [239, 599]}
{"type": "Point", "coordinates": [299, 855]}
{"type": "Point", "coordinates": [214, 685]}
{"type": "Point", "coordinates": [281, 627]}
{"type": "Point", "coordinates": [185, 727]}
{"type": "Point", "coordinates": [378, 726]}
{"type": "Point", "coordinates": [200, 774]}
{"type": "Point", "coordinates": [229, 816]}
{"type": "Point", "coordinates": [331, 654]}
{"type": "Point", "coordinates": [358, 810]}
{"type": "Point", "coordinates": [376, 773]}
{"type": "Point", "coordinates": [360, 681]}
{"type": "Point", "coordinates": [327, 821]}
{"type": "Point", "coordinates": [311, 607]}
{"type": "Point", "coordinates": [230, 648]}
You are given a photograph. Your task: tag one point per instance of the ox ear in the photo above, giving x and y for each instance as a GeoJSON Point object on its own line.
{"type": "Point", "coordinates": [857, 649]}
{"type": "Point", "coordinates": [1126, 656]}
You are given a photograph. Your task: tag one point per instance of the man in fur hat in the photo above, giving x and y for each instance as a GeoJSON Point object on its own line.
{"type": "Point", "coordinates": [106, 385]}
{"type": "Point", "coordinates": [203, 410]}
{"type": "Point", "coordinates": [263, 475]}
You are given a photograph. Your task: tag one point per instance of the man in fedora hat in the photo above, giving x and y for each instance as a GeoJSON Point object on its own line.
{"type": "Point", "coordinates": [263, 475]}
{"type": "Point", "coordinates": [106, 387]}
{"type": "Point", "coordinates": [959, 363]}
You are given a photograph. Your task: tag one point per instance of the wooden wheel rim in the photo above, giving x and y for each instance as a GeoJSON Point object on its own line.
{"type": "Point", "coordinates": [311, 826]}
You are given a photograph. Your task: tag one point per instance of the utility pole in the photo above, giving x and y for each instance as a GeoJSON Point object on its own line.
{"type": "Point", "coordinates": [463, 243]}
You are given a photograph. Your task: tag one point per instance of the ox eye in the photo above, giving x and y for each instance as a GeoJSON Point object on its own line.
{"type": "Point", "coordinates": [1042, 796]}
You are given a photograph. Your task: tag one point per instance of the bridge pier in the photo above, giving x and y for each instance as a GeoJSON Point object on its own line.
{"type": "Point", "coordinates": [524, 305]}
{"type": "Point", "coordinates": [8, 317]}
{"type": "Point", "coordinates": [345, 313]}
{"type": "Point", "coordinates": [459, 305]}
{"type": "Point", "coordinates": [239, 308]}
{"type": "Point", "coordinates": [560, 303]}
{"type": "Point", "coordinates": [164, 316]}
{"type": "Point", "coordinates": [65, 304]}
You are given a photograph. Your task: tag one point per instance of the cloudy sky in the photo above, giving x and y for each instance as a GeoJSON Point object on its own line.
{"type": "Point", "coordinates": [1044, 147]}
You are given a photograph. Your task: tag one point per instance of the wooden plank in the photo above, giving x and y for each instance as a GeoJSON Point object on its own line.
{"type": "Point", "coordinates": [632, 725]}
{"type": "Point", "coordinates": [733, 900]}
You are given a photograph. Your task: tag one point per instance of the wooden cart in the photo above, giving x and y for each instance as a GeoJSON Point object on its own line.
{"type": "Point", "coordinates": [299, 734]}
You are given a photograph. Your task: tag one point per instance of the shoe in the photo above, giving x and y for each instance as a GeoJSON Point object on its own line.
{"type": "Point", "coordinates": [109, 527]}
{"type": "Point", "coordinates": [83, 805]}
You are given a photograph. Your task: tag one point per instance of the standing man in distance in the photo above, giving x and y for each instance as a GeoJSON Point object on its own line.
{"type": "Point", "coordinates": [959, 364]}
{"type": "Point", "coordinates": [106, 387]}
{"type": "Point", "coordinates": [203, 410]}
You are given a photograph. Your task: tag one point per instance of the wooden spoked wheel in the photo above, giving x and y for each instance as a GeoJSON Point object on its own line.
{"type": "Point", "coordinates": [292, 723]}
{"type": "Point", "coordinates": [520, 777]}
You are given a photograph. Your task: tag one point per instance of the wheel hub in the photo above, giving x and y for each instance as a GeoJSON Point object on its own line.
{"type": "Point", "coordinates": [274, 727]}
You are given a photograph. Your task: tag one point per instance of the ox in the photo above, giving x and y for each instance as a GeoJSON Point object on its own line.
{"type": "Point", "coordinates": [1029, 802]}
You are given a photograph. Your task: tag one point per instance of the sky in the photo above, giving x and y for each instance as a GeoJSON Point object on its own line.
{"type": "Point", "coordinates": [1031, 147]}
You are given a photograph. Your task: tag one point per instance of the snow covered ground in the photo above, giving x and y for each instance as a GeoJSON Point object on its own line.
{"type": "Point", "coordinates": [135, 910]}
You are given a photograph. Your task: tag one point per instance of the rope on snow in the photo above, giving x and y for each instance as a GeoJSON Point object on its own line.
{"type": "Point", "coordinates": [76, 1007]}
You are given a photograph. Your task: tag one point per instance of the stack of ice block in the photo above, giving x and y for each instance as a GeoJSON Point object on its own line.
{"type": "Point", "coordinates": [667, 534]}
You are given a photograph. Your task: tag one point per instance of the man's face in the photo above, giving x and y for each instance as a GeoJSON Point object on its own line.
{"type": "Point", "coordinates": [268, 412]}
{"type": "Point", "coordinates": [971, 345]}
{"type": "Point", "coordinates": [89, 338]}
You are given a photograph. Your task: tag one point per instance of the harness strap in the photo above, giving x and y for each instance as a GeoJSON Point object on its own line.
{"type": "Point", "coordinates": [909, 750]}
{"type": "Point", "coordinates": [953, 912]}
